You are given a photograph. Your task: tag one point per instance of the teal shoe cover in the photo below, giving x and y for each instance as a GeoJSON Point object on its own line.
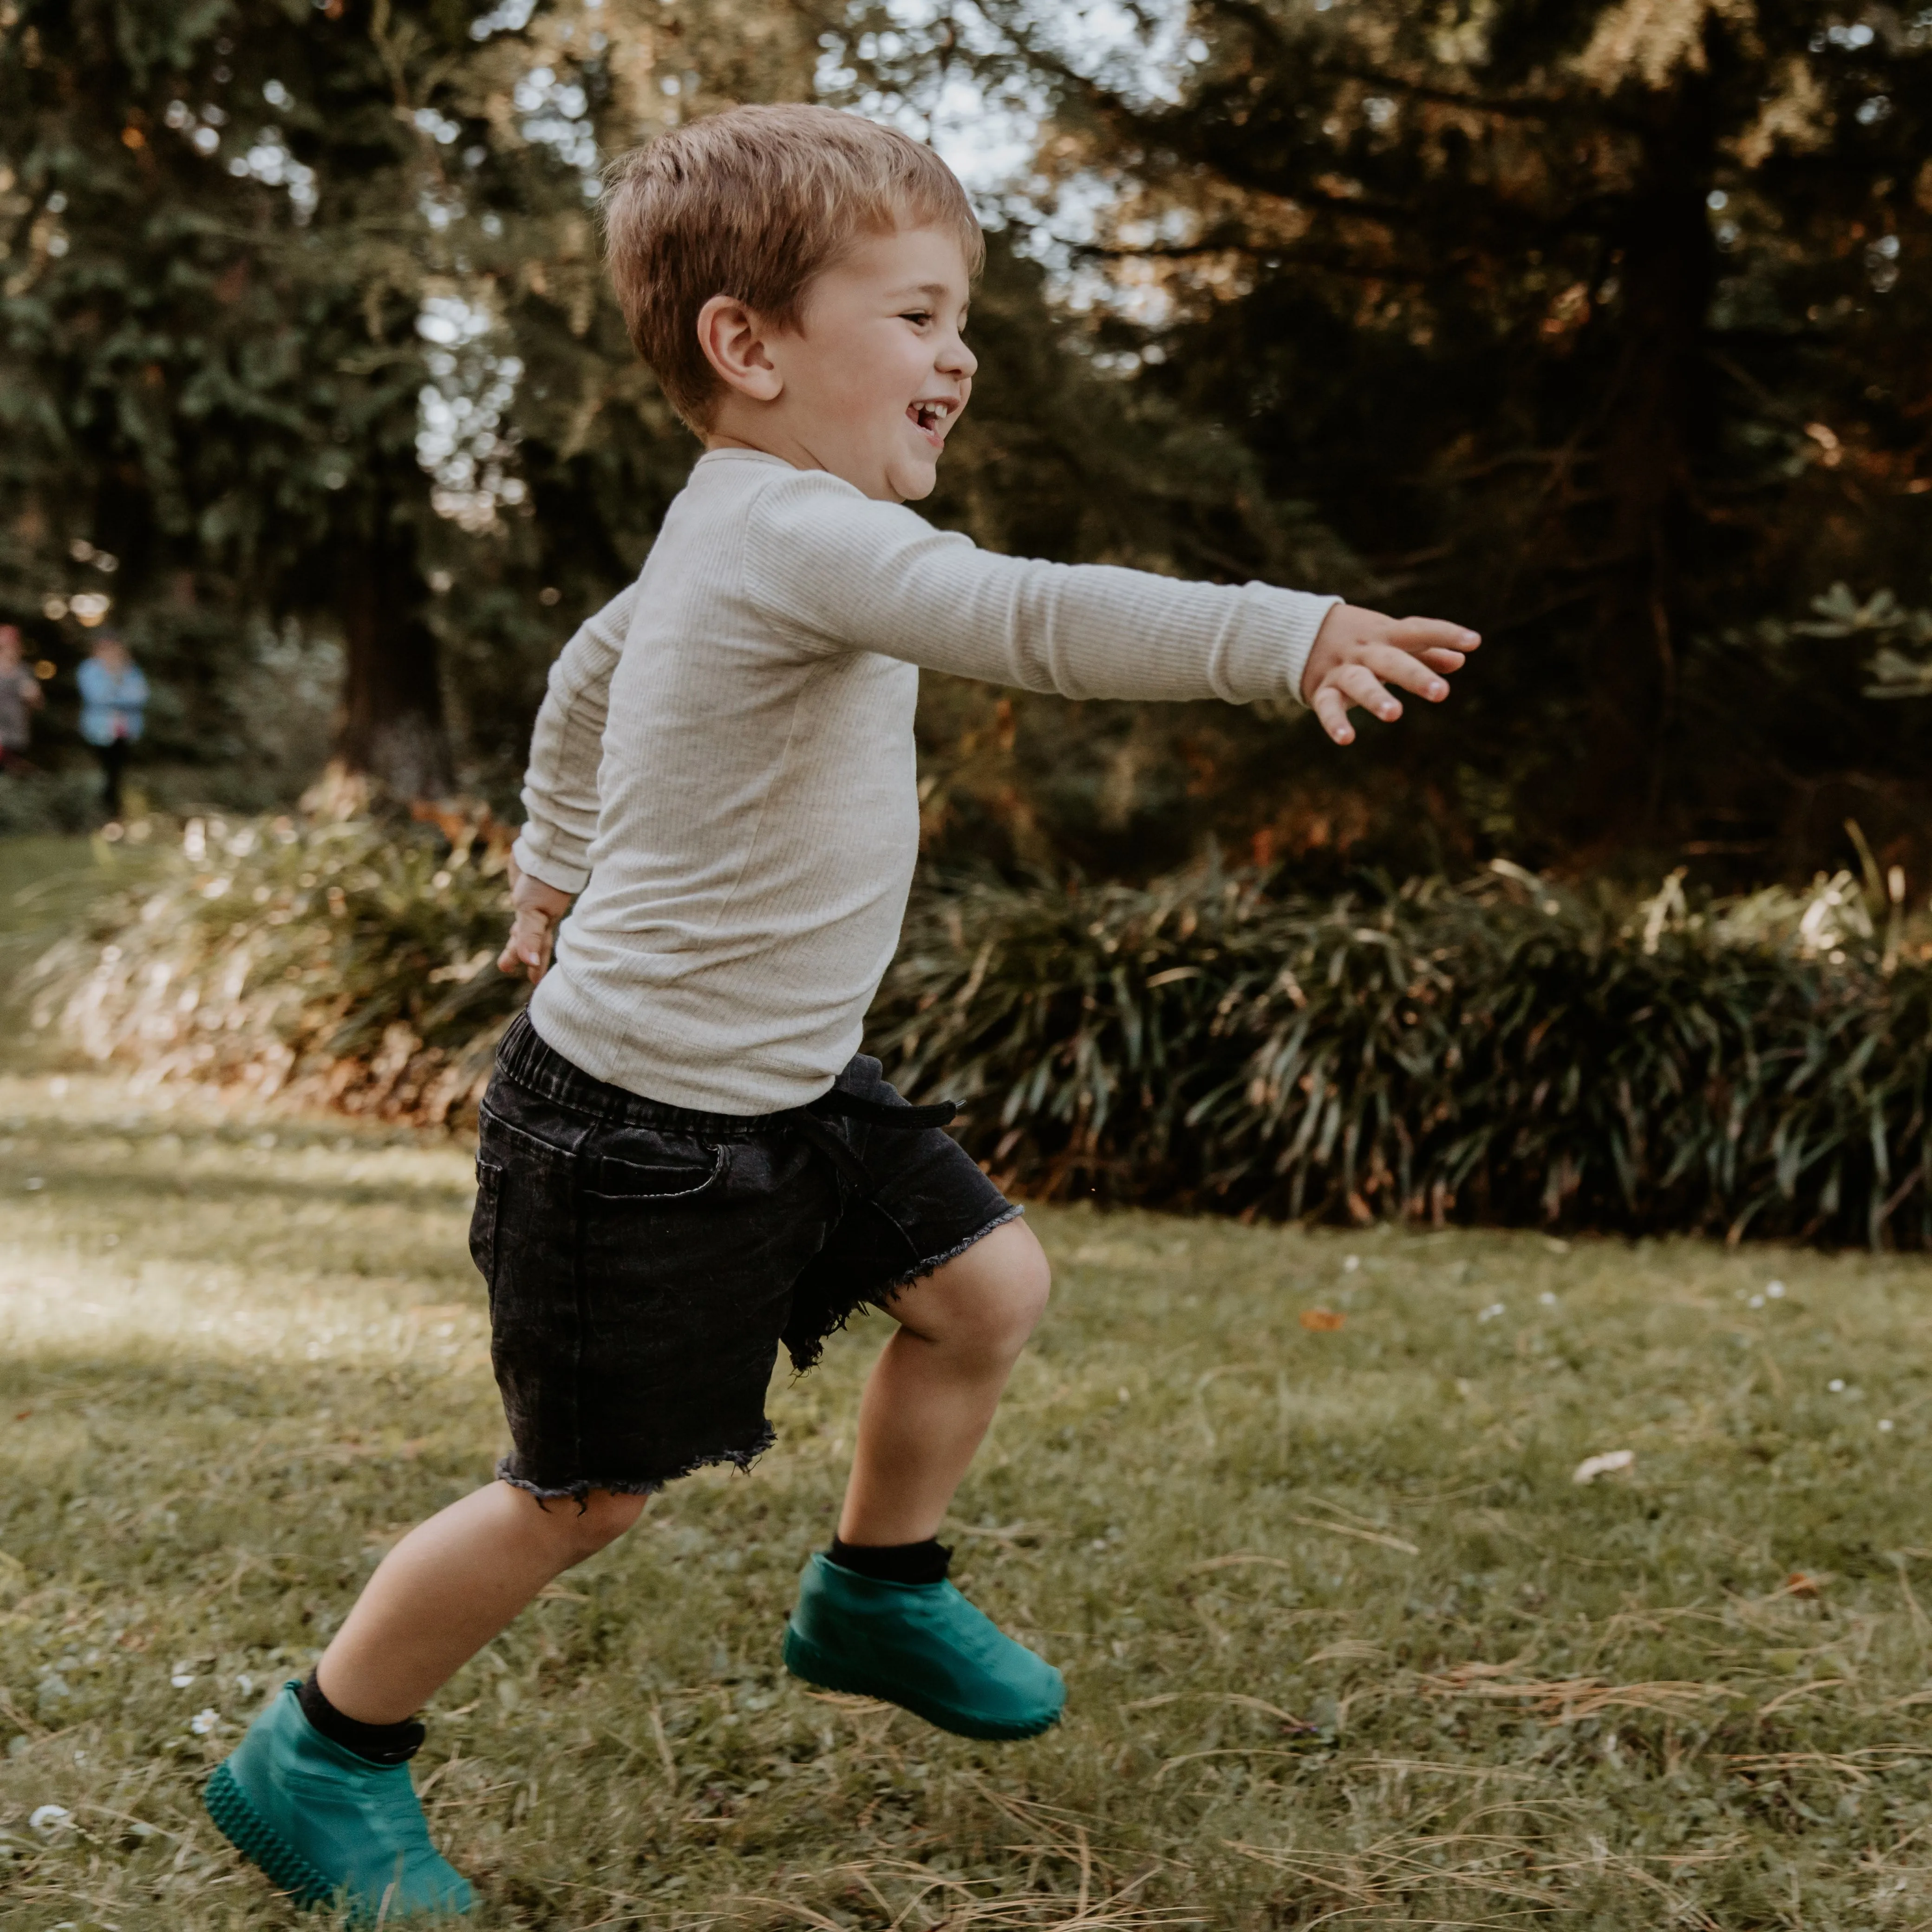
{"type": "Point", "coordinates": [920, 1645]}
{"type": "Point", "coordinates": [327, 1825]}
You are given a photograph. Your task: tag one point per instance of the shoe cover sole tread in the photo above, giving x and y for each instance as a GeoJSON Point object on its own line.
{"type": "Point", "coordinates": [250, 1834]}
{"type": "Point", "coordinates": [810, 1665]}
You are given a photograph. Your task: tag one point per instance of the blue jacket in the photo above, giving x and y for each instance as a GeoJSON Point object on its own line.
{"type": "Point", "coordinates": [111, 706]}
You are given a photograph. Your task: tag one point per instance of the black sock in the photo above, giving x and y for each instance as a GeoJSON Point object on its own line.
{"type": "Point", "coordinates": [894, 1562]}
{"type": "Point", "coordinates": [380, 1744]}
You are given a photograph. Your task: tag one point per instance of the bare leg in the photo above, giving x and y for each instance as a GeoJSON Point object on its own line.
{"type": "Point", "coordinates": [933, 1391]}
{"type": "Point", "coordinates": [449, 1586]}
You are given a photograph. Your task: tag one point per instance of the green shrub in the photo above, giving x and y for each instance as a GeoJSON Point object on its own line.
{"type": "Point", "coordinates": [1503, 1051]}
{"type": "Point", "coordinates": [350, 961]}
{"type": "Point", "coordinates": [40, 804]}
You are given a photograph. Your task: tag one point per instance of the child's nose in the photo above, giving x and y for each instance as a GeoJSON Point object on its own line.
{"type": "Point", "coordinates": [956, 359]}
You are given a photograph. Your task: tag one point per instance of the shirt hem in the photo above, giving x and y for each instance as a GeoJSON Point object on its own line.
{"type": "Point", "coordinates": [669, 1086]}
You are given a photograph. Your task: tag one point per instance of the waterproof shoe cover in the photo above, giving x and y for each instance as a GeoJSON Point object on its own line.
{"type": "Point", "coordinates": [923, 1646]}
{"type": "Point", "coordinates": [327, 1825]}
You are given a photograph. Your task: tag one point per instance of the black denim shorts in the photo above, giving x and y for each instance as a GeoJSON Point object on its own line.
{"type": "Point", "coordinates": [644, 1262]}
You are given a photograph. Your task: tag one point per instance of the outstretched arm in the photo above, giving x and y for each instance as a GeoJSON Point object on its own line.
{"type": "Point", "coordinates": [838, 571]}
{"type": "Point", "coordinates": [550, 860]}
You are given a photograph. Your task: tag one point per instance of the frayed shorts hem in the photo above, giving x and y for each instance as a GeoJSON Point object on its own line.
{"type": "Point", "coordinates": [805, 1357]}
{"type": "Point", "coordinates": [579, 1491]}
{"type": "Point", "coordinates": [934, 1263]}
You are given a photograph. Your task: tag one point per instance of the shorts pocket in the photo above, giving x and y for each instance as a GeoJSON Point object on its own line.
{"type": "Point", "coordinates": [483, 1221]}
{"type": "Point", "coordinates": [608, 1178]}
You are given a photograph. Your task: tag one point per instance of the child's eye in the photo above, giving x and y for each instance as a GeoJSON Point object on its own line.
{"type": "Point", "coordinates": [921, 315]}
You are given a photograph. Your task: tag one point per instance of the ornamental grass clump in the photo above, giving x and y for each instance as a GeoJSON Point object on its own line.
{"type": "Point", "coordinates": [1502, 1051]}
{"type": "Point", "coordinates": [349, 962]}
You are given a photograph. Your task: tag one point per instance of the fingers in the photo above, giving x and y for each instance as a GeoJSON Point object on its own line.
{"type": "Point", "coordinates": [1332, 708]}
{"type": "Point", "coordinates": [1359, 685]}
{"type": "Point", "coordinates": [1413, 654]}
{"type": "Point", "coordinates": [1398, 667]}
{"type": "Point", "coordinates": [1417, 634]}
{"type": "Point", "coordinates": [527, 950]}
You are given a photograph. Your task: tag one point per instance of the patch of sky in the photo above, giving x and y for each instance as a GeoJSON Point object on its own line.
{"type": "Point", "coordinates": [555, 116]}
{"type": "Point", "coordinates": [507, 16]}
{"type": "Point", "coordinates": [268, 161]}
{"type": "Point", "coordinates": [1882, 263]}
{"type": "Point", "coordinates": [440, 211]}
{"type": "Point", "coordinates": [984, 114]}
{"type": "Point", "coordinates": [464, 440]}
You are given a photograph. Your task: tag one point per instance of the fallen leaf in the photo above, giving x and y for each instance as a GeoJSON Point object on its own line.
{"type": "Point", "coordinates": [1321, 1321]}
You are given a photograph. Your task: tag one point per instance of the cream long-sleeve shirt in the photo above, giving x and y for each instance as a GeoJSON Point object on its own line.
{"type": "Point", "coordinates": [723, 766]}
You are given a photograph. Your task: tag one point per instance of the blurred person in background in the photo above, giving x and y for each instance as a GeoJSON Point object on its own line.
{"type": "Point", "coordinates": [114, 696]}
{"type": "Point", "coordinates": [20, 695]}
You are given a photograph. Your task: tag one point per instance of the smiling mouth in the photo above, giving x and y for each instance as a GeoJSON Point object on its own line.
{"type": "Point", "coordinates": [931, 419]}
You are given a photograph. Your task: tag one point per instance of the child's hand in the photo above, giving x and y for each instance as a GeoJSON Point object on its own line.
{"type": "Point", "coordinates": [1356, 650]}
{"type": "Point", "coordinates": [537, 908]}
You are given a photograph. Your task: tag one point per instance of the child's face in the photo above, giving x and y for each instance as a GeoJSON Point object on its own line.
{"type": "Point", "coordinates": [876, 374]}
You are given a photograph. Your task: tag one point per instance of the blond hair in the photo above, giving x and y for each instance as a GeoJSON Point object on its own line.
{"type": "Point", "coordinates": [753, 203]}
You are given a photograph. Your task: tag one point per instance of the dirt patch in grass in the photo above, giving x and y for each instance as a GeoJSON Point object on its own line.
{"type": "Point", "coordinates": [1347, 1643]}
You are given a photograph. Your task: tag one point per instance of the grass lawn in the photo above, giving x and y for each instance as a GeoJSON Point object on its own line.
{"type": "Point", "coordinates": [43, 872]}
{"type": "Point", "coordinates": [46, 883]}
{"type": "Point", "coordinates": [1346, 1643]}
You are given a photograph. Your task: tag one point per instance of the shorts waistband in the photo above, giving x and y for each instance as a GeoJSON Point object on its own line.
{"type": "Point", "coordinates": [538, 1069]}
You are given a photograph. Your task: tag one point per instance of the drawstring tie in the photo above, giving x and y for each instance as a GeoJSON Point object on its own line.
{"type": "Point", "coordinates": [815, 1120]}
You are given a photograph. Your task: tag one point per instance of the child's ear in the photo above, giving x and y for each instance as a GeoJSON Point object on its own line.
{"type": "Point", "coordinates": [732, 338]}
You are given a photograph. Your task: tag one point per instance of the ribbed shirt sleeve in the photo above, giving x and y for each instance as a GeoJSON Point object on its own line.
{"type": "Point", "coordinates": [560, 783]}
{"type": "Point", "coordinates": [835, 570]}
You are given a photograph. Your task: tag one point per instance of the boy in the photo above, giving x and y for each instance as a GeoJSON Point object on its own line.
{"type": "Point", "coordinates": [682, 1161]}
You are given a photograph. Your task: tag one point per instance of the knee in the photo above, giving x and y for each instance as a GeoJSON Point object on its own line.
{"type": "Point", "coordinates": [996, 1322]}
{"type": "Point", "coordinates": [1031, 1285]}
{"type": "Point", "coordinates": [580, 1533]}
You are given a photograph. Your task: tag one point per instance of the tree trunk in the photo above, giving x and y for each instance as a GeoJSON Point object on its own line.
{"type": "Point", "coordinates": [392, 727]}
{"type": "Point", "coordinates": [1659, 427]}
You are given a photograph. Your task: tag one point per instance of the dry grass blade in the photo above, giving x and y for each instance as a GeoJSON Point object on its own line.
{"type": "Point", "coordinates": [1382, 1536]}
{"type": "Point", "coordinates": [1564, 1700]}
